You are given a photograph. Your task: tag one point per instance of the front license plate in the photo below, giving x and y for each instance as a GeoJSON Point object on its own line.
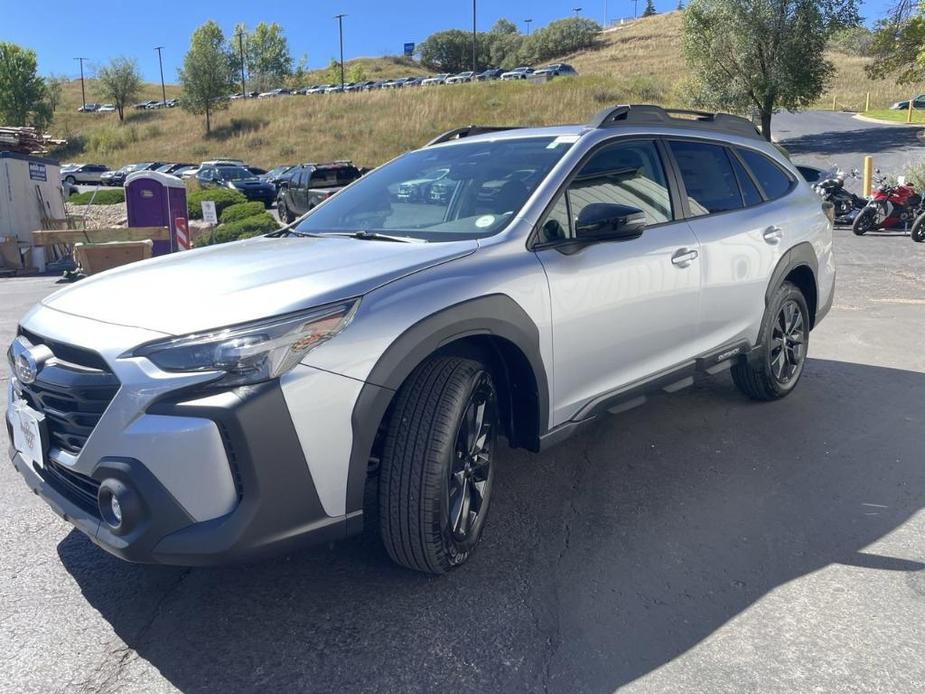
{"type": "Point", "coordinates": [28, 430]}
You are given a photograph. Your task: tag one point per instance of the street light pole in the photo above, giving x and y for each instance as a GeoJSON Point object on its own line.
{"type": "Point", "coordinates": [241, 50]}
{"type": "Point", "coordinates": [474, 60]}
{"type": "Point", "coordinates": [527, 22]}
{"type": "Point", "coordinates": [160, 62]}
{"type": "Point", "coordinates": [83, 93]}
{"type": "Point", "coordinates": [340, 28]}
{"type": "Point", "coordinates": [577, 11]}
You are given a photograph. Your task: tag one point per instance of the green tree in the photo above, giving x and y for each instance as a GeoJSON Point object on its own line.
{"type": "Point", "coordinates": [22, 91]}
{"type": "Point", "coordinates": [53, 87]}
{"type": "Point", "coordinates": [559, 38]}
{"type": "Point", "coordinates": [267, 56]}
{"type": "Point", "coordinates": [356, 73]}
{"type": "Point", "coordinates": [448, 51]}
{"type": "Point", "coordinates": [503, 26]}
{"type": "Point", "coordinates": [207, 75]}
{"type": "Point", "coordinates": [120, 82]}
{"type": "Point", "coordinates": [761, 55]}
{"type": "Point", "coordinates": [650, 9]}
{"type": "Point", "coordinates": [898, 44]}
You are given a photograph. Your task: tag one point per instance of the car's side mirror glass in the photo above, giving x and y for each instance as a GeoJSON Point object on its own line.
{"type": "Point", "coordinates": [602, 221]}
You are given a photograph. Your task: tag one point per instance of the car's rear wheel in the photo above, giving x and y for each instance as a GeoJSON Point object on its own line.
{"type": "Point", "coordinates": [437, 468]}
{"type": "Point", "coordinates": [783, 341]}
{"type": "Point", "coordinates": [864, 222]}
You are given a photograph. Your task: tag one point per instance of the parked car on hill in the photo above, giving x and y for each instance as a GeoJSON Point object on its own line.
{"type": "Point", "coordinates": [466, 76]}
{"type": "Point", "coordinates": [88, 108]}
{"type": "Point", "coordinates": [106, 108]}
{"type": "Point", "coordinates": [557, 70]}
{"type": "Point", "coordinates": [281, 91]}
{"type": "Point", "coordinates": [518, 73]}
{"type": "Point", "coordinates": [276, 175]}
{"type": "Point", "coordinates": [83, 173]}
{"type": "Point", "coordinates": [490, 74]}
{"type": "Point", "coordinates": [308, 185]}
{"type": "Point", "coordinates": [237, 178]}
{"type": "Point", "coordinates": [379, 351]}
{"type": "Point", "coordinates": [319, 89]}
{"type": "Point", "coordinates": [174, 168]}
{"type": "Point", "coordinates": [145, 104]}
{"type": "Point", "coordinates": [117, 178]}
{"type": "Point", "coordinates": [436, 79]}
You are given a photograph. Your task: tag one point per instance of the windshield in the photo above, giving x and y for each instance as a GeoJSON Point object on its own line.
{"type": "Point", "coordinates": [233, 173]}
{"type": "Point", "coordinates": [466, 190]}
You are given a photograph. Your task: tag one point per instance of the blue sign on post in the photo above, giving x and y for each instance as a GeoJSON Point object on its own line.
{"type": "Point", "coordinates": [37, 171]}
{"type": "Point", "coordinates": [409, 50]}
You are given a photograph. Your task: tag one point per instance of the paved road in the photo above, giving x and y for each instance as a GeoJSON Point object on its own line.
{"type": "Point", "coordinates": [700, 543]}
{"type": "Point", "coordinates": [832, 138]}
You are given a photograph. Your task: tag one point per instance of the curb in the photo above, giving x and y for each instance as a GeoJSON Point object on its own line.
{"type": "Point", "coordinates": [868, 119]}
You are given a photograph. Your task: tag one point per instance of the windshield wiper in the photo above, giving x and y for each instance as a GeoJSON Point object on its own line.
{"type": "Point", "coordinates": [364, 235]}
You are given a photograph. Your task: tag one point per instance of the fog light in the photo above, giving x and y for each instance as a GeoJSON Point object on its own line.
{"type": "Point", "coordinates": [119, 505]}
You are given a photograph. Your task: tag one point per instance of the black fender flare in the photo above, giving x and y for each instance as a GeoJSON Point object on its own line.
{"type": "Point", "coordinates": [493, 315]}
{"type": "Point", "coordinates": [801, 255]}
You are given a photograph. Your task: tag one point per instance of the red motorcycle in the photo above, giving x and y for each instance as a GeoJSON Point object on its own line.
{"type": "Point", "coordinates": [890, 206]}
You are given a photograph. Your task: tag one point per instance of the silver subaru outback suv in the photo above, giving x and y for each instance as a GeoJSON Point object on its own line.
{"type": "Point", "coordinates": [225, 403]}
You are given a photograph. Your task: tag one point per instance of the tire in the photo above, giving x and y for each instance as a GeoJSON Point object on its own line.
{"type": "Point", "coordinates": [437, 470]}
{"type": "Point", "coordinates": [283, 211]}
{"type": "Point", "coordinates": [70, 179]}
{"type": "Point", "coordinates": [864, 222]}
{"type": "Point", "coordinates": [783, 341]}
{"type": "Point", "coordinates": [918, 229]}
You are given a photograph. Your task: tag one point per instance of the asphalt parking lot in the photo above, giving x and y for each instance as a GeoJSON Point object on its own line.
{"type": "Point", "coordinates": [700, 543]}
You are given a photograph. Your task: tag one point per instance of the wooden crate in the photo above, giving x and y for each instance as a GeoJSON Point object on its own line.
{"type": "Point", "coordinates": [97, 257]}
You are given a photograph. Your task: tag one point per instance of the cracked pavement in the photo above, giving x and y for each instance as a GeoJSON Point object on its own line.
{"type": "Point", "coordinates": [698, 543]}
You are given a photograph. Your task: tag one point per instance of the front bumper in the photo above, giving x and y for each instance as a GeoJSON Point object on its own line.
{"type": "Point", "coordinates": [266, 196]}
{"type": "Point", "coordinates": [278, 507]}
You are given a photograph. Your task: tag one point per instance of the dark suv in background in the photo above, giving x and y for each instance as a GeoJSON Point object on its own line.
{"type": "Point", "coordinates": [306, 185]}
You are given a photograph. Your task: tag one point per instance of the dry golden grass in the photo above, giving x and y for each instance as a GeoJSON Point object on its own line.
{"type": "Point", "coordinates": [639, 63]}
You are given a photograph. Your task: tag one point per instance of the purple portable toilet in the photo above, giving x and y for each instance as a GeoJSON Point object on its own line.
{"type": "Point", "coordinates": [155, 199]}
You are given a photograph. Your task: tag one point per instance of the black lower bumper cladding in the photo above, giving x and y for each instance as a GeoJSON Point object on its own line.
{"type": "Point", "coordinates": [278, 509]}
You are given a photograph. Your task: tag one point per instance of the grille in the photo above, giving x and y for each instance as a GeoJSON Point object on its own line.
{"type": "Point", "coordinates": [72, 391]}
{"type": "Point", "coordinates": [80, 489]}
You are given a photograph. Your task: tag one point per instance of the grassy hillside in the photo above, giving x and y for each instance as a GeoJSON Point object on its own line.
{"type": "Point", "coordinates": [638, 63]}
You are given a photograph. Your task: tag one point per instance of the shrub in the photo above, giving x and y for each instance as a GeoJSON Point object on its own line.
{"type": "Point", "coordinates": [242, 229]}
{"type": "Point", "coordinates": [111, 196]}
{"type": "Point", "coordinates": [222, 197]}
{"type": "Point", "coordinates": [242, 210]}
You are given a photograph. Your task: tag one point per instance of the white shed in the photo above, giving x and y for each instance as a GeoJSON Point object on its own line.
{"type": "Point", "coordinates": [30, 194]}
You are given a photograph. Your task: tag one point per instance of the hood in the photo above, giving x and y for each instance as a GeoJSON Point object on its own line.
{"type": "Point", "coordinates": [248, 280]}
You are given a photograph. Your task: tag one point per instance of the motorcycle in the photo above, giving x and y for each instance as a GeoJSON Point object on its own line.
{"type": "Point", "coordinates": [918, 229]}
{"type": "Point", "coordinates": [890, 206]}
{"type": "Point", "coordinates": [831, 188]}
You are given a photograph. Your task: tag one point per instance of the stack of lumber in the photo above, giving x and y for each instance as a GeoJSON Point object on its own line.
{"type": "Point", "coordinates": [26, 141]}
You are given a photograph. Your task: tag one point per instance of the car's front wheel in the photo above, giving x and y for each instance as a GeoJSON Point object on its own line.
{"type": "Point", "coordinates": [283, 211]}
{"type": "Point", "coordinates": [783, 340]}
{"type": "Point", "coordinates": [70, 179]}
{"type": "Point", "coordinates": [437, 466]}
{"type": "Point", "coordinates": [918, 229]}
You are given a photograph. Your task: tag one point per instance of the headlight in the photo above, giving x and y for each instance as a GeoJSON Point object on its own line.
{"type": "Point", "coordinates": [252, 352]}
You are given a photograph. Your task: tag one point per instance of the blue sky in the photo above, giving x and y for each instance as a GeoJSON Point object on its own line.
{"type": "Point", "coordinates": [59, 30]}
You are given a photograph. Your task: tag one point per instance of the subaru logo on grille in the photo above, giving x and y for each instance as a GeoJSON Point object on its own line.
{"type": "Point", "coordinates": [28, 359]}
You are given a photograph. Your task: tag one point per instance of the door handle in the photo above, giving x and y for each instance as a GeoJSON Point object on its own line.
{"type": "Point", "coordinates": [683, 257]}
{"type": "Point", "coordinates": [773, 234]}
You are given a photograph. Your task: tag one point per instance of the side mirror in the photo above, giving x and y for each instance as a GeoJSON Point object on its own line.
{"type": "Point", "coordinates": [602, 221]}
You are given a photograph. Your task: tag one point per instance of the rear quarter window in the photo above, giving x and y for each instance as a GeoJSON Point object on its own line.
{"type": "Point", "coordinates": [773, 179]}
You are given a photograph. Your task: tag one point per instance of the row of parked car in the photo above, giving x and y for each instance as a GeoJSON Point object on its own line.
{"type": "Point", "coordinates": [523, 72]}
{"type": "Point", "coordinates": [93, 107]}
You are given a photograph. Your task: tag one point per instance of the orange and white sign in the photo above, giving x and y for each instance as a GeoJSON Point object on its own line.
{"type": "Point", "coordinates": [183, 243]}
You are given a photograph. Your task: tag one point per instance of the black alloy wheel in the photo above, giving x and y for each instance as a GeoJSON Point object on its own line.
{"type": "Point", "coordinates": [788, 339]}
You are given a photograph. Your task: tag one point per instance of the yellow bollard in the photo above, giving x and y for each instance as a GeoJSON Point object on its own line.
{"type": "Point", "coordinates": [868, 176]}
{"type": "Point", "coordinates": [909, 112]}
{"type": "Point", "coordinates": [867, 103]}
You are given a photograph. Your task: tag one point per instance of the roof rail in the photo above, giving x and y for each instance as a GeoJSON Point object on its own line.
{"type": "Point", "coordinates": [645, 114]}
{"type": "Point", "coordinates": [468, 131]}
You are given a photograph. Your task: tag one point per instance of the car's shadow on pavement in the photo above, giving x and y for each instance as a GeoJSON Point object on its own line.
{"type": "Point", "coordinates": [604, 558]}
{"type": "Point", "coordinates": [860, 140]}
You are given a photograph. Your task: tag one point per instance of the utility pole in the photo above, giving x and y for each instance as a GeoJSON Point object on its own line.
{"type": "Point", "coordinates": [241, 49]}
{"type": "Point", "coordinates": [83, 93]}
{"type": "Point", "coordinates": [474, 40]}
{"type": "Point", "coordinates": [527, 22]}
{"type": "Point", "coordinates": [160, 62]}
{"type": "Point", "coordinates": [635, 5]}
{"type": "Point", "coordinates": [340, 28]}
{"type": "Point", "coordinates": [605, 14]}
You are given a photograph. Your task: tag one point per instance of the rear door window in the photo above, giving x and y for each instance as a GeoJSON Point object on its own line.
{"type": "Point", "coordinates": [708, 177]}
{"type": "Point", "coordinates": [750, 193]}
{"type": "Point", "coordinates": [772, 178]}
